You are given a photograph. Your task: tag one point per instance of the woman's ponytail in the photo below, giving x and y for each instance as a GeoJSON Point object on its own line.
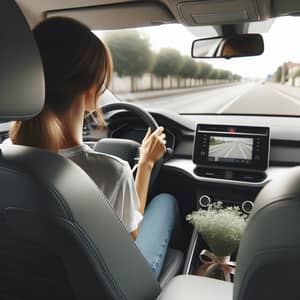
{"type": "Point", "coordinates": [43, 131]}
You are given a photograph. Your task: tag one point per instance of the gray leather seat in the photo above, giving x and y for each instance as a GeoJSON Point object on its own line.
{"type": "Point", "coordinates": [269, 253]}
{"type": "Point", "coordinates": [60, 239]}
{"type": "Point", "coordinates": [125, 149]}
{"type": "Point", "coordinates": [172, 266]}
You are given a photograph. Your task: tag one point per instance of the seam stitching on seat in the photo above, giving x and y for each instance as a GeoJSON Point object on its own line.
{"type": "Point", "coordinates": [118, 292]}
{"type": "Point", "coordinates": [51, 189]}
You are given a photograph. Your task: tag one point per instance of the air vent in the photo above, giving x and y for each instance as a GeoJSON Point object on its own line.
{"type": "Point", "coordinates": [230, 174]}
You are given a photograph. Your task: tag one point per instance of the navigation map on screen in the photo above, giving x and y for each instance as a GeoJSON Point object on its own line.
{"type": "Point", "coordinates": [228, 148]}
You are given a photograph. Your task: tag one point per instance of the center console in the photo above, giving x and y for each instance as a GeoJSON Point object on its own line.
{"type": "Point", "coordinates": [193, 262]}
{"type": "Point", "coordinates": [234, 160]}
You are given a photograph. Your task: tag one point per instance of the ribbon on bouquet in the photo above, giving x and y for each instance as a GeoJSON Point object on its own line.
{"type": "Point", "coordinates": [211, 262]}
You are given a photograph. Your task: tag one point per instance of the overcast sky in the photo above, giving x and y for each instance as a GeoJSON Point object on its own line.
{"type": "Point", "coordinates": [282, 43]}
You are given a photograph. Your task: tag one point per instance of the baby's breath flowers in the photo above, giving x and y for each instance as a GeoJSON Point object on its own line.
{"type": "Point", "coordinates": [221, 228]}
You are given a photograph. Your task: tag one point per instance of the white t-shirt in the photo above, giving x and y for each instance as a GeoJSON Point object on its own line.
{"type": "Point", "coordinates": [113, 176]}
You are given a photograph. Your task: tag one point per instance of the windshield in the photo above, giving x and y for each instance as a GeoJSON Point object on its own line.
{"type": "Point", "coordinates": [154, 69]}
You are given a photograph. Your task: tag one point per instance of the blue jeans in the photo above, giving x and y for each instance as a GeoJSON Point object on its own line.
{"type": "Point", "coordinates": [156, 229]}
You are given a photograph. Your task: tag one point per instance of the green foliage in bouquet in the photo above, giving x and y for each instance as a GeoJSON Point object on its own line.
{"type": "Point", "coordinates": [221, 228]}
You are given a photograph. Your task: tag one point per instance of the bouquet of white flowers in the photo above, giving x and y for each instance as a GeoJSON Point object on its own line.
{"type": "Point", "coordinates": [221, 228]}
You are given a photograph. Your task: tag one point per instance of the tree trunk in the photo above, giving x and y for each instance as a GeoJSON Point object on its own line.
{"type": "Point", "coordinates": [151, 81]}
{"type": "Point", "coordinates": [132, 83]}
{"type": "Point", "coordinates": [283, 73]}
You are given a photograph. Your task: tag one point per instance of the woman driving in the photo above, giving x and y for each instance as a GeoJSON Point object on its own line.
{"type": "Point", "coordinates": [78, 68]}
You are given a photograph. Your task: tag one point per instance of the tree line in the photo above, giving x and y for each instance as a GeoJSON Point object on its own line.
{"type": "Point", "coordinates": [132, 56]}
{"type": "Point", "coordinates": [283, 75]}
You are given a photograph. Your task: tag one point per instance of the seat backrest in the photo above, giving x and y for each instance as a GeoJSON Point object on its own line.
{"type": "Point", "coordinates": [269, 254]}
{"type": "Point", "coordinates": [60, 238]}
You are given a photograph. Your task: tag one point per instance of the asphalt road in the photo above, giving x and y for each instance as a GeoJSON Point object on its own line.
{"type": "Point", "coordinates": [249, 98]}
{"type": "Point", "coordinates": [239, 149]}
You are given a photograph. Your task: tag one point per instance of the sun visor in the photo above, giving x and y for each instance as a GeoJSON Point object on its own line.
{"type": "Point", "coordinates": [118, 16]}
{"type": "Point", "coordinates": [21, 74]}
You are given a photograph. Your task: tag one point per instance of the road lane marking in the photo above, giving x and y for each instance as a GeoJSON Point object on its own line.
{"type": "Point", "coordinates": [243, 153]}
{"type": "Point", "coordinates": [249, 150]}
{"type": "Point", "coordinates": [288, 97]}
{"type": "Point", "coordinates": [212, 151]}
{"type": "Point", "coordinates": [235, 99]}
{"type": "Point", "coordinates": [223, 108]}
{"type": "Point", "coordinates": [230, 150]}
{"type": "Point", "coordinates": [216, 148]}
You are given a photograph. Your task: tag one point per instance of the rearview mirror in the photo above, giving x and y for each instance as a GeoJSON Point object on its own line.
{"type": "Point", "coordinates": [227, 47]}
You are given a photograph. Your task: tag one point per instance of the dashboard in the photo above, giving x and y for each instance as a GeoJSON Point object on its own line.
{"type": "Point", "coordinates": [203, 183]}
{"type": "Point", "coordinates": [137, 134]}
{"type": "Point", "coordinates": [180, 129]}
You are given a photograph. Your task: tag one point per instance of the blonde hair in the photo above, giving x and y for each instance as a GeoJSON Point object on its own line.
{"type": "Point", "coordinates": [43, 131]}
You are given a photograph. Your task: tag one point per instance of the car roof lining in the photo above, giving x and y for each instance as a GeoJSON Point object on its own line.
{"type": "Point", "coordinates": [112, 14]}
{"type": "Point", "coordinates": [286, 7]}
{"type": "Point", "coordinates": [105, 14]}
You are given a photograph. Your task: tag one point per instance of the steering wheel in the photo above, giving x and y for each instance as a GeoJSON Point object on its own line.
{"type": "Point", "coordinates": [126, 146]}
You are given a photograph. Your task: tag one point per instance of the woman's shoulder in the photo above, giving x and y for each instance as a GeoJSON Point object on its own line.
{"type": "Point", "coordinates": [106, 170]}
{"type": "Point", "coordinates": [107, 159]}
{"type": "Point", "coordinates": [7, 141]}
{"type": "Point", "coordinates": [92, 160]}
{"type": "Point", "coordinates": [99, 166]}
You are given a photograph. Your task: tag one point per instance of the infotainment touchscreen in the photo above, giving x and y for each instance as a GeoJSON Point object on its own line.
{"type": "Point", "coordinates": [242, 147]}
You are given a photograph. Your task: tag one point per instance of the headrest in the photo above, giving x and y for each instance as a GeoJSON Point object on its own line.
{"type": "Point", "coordinates": [22, 86]}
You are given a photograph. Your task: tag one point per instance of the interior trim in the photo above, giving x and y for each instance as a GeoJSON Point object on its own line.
{"type": "Point", "coordinates": [186, 166]}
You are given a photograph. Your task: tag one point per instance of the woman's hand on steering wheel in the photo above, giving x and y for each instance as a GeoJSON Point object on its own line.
{"type": "Point", "coordinates": [153, 146]}
{"type": "Point", "coordinates": [149, 121]}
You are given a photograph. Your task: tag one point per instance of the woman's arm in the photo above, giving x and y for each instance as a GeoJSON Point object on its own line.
{"type": "Point", "coordinates": [152, 149]}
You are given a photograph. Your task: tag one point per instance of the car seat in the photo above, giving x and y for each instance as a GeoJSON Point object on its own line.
{"type": "Point", "coordinates": [60, 238]}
